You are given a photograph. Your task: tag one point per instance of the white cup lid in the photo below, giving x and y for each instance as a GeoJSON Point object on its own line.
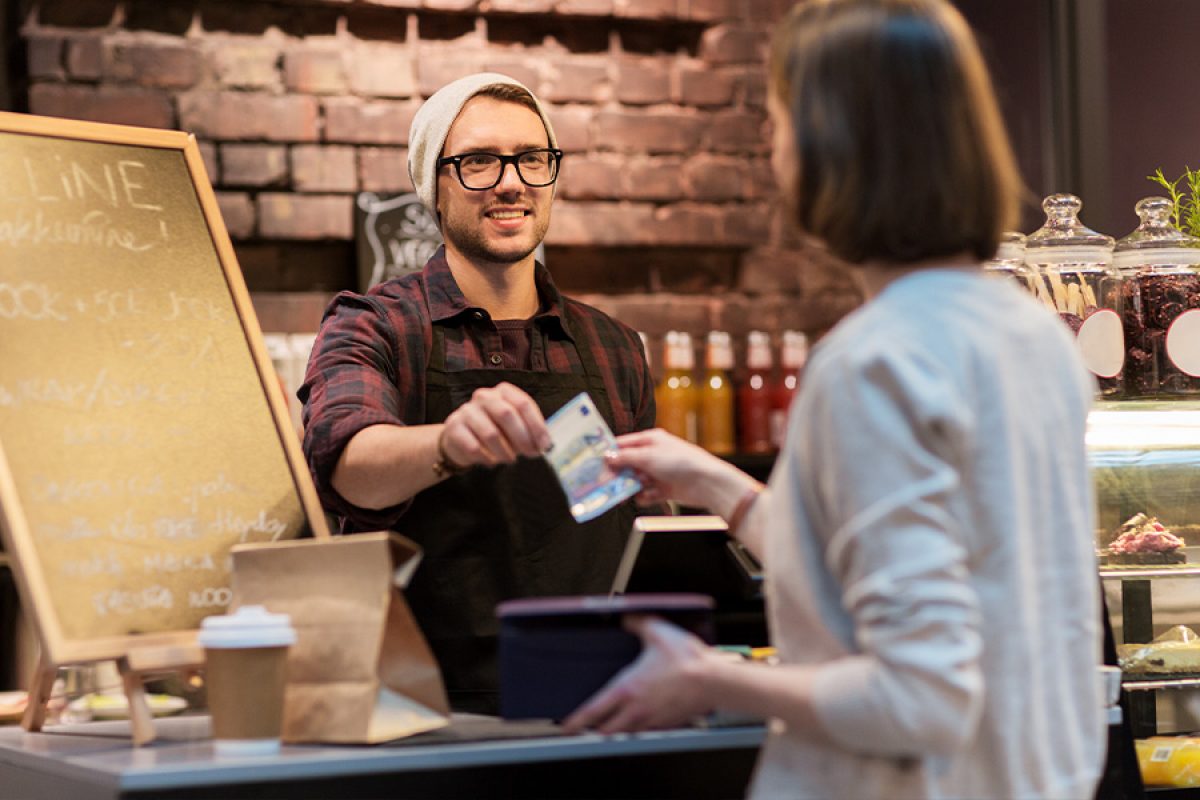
{"type": "Point", "coordinates": [249, 626]}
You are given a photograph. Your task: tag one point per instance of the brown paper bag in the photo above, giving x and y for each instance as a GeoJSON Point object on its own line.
{"type": "Point", "coordinates": [360, 671]}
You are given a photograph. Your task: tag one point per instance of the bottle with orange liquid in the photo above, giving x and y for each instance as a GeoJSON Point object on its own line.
{"type": "Point", "coordinates": [676, 396]}
{"type": "Point", "coordinates": [716, 395]}
{"type": "Point", "coordinates": [792, 358]}
{"type": "Point", "coordinates": [754, 396]}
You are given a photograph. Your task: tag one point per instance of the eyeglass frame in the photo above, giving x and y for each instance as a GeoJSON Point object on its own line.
{"type": "Point", "coordinates": [555, 153]}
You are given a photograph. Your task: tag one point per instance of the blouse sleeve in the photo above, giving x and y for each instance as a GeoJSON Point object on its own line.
{"type": "Point", "coordinates": [883, 443]}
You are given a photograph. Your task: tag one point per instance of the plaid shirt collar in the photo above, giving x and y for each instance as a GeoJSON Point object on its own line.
{"type": "Point", "coordinates": [446, 300]}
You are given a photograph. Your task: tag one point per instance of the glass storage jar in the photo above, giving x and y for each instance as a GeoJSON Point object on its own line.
{"type": "Point", "coordinates": [1009, 262]}
{"type": "Point", "coordinates": [1160, 304]}
{"type": "Point", "coordinates": [1081, 284]}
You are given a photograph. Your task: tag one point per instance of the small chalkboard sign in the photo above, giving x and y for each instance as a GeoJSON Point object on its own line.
{"type": "Point", "coordinates": [142, 432]}
{"type": "Point", "coordinates": [394, 235]}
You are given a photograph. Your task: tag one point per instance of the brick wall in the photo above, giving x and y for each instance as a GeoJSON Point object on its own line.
{"type": "Point", "coordinates": [666, 215]}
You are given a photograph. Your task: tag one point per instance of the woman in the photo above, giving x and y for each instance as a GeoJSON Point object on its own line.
{"type": "Point", "coordinates": [927, 529]}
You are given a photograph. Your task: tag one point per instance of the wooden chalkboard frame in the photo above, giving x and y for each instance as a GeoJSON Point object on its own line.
{"type": "Point", "coordinates": [167, 646]}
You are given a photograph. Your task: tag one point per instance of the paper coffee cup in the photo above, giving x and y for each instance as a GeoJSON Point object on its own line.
{"type": "Point", "coordinates": [246, 667]}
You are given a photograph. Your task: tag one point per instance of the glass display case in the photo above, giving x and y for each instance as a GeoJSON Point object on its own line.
{"type": "Point", "coordinates": [1145, 457]}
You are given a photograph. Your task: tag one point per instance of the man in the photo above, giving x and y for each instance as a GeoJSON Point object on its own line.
{"type": "Point", "coordinates": [425, 399]}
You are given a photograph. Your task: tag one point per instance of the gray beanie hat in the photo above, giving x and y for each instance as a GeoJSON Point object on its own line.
{"type": "Point", "coordinates": [432, 123]}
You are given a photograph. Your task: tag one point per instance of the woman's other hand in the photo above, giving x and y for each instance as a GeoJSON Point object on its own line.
{"type": "Point", "coordinates": [662, 688]}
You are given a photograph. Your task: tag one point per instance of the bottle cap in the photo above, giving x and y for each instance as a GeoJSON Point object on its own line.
{"type": "Point", "coordinates": [719, 353]}
{"type": "Point", "coordinates": [758, 350]}
{"type": "Point", "coordinates": [795, 349]}
{"type": "Point", "coordinates": [678, 353]}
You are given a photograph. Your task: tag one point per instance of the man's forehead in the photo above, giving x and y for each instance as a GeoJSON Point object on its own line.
{"type": "Point", "coordinates": [488, 122]}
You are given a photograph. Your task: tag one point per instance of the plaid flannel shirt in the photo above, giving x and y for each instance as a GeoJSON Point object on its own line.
{"type": "Point", "coordinates": [368, 364]}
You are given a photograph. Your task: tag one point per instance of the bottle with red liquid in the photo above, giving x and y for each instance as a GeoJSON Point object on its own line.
{"type": "Point", "coordinates": [754, 396]}
{"type": "Point", "coordinates": [716, 395]}
{"type": "Point", "coordinates": [792, 357]}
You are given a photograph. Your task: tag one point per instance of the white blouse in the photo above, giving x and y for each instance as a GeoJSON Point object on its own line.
{"type": "Point", "coordinates": [929, 543]}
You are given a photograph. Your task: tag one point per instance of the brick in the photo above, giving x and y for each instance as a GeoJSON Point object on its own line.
{"type": "Point", "coordinates": [384, 169]}
{"type": "Point", "coordinates": [305, 216]}
{"type": "Point", "coordinates": [647, 132]}
{"type": "Point", "coordinates": [575, 80]}
{"type": "Point", "coordinates": [748, 225]}
{"type": "Point", "coordinates": [249, 115]}
{"type": "Point", "coordinates": [517, 6]}
{"type": "Point", "coordinates": [733, 44]}
{"type": "Point", "coordinates": [254, 165]}
{"type": "Point", "coordinates": [752, 88]}
{"type": "Point", "coordinates": [648, 9]}
{"type": "Point", "coordinates": [240, 63]}
{"type": "Point", "coordinates": [290, 312]}
{"type": "Point", "coordinates": [451, 5]}
{"type": "Point", "coordinates": [237, 210]}
{"type": "Point", "coordinates": [85, 58]}
{"type": "Point", "coordinates": [737, 132]}
{"type": "Point", "coordinates": [393, 3]}
{"type": "Point", "coordinates": [524, 70]}
{"type": "Point", "coordinates": [208, 154]}
{"type": "Point", "coordinates": [382, 71]}
{"type": "Point", "coordinates": [153, 65]}
{"type": "Point", "coordinates": [704, 86]}
{"type": "Point", "coordinates": [595, 8]}
{"type": "Point", "coordinates": [643, 81]}
{"type": "Point", "coordinates": [591, 178]}
{"type": "Point", "coordinates": [760, 179]}
{"type": "Point", "coordinates": [711, 10]}
{"type": "Point", "coordinates": [572, 127]}
{"type": "Point", "coordinates": [45, 57]}
{"type": "Point", "coordinates": [377, 122]}
{"type": "Point", "coordinates": [603, 224]}
{"type": "Point", "coordinates": [684, 225]}
{"type": "Point", "coordinates": [768, 269]}
{"type": "Point", "coordinates": [655, 314]}
{"type": "Point", "coordinates": [297, 266]}
{"type": "Point", "coordinates": [714, 178]}
{"type": "Point", "coordinates": [123, 106]}
{"type": "Point", "coordinates": [324, 168]}
{"type": "Point", "coordinates": [659, 179]}
{"type": "Point", "coordinates": [437, 68]}
{"type": "Point", "coordinates": [314, 71]}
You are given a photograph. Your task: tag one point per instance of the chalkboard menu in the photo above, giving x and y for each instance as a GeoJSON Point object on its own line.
{"type": "Point", "coordinates": [142, 433]}
{"type": "Point", "coordinates": [394, 235]}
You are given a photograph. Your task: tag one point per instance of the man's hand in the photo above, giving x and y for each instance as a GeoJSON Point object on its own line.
{"type": "Point", "coordinates": [661, 689]}
{"type": "Point", "coordinates": [496, 426]}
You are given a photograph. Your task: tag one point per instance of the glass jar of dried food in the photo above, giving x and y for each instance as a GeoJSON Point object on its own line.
{"type": "Point", "coordinates": [1081, 284]}
{"type": "Point", "coordinates": [1009, 262]}
{"type": "Point", "coordinates": [1160, 304]}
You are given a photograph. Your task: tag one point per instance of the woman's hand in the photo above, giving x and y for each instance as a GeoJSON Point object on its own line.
{"type": "Point", "coordinates": [662, 688]}
{"type": "Point", "coordinates": [670, 468]}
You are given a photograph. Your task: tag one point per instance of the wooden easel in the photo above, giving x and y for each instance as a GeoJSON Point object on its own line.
{"type": "Point", "coordinates": [135, 667]}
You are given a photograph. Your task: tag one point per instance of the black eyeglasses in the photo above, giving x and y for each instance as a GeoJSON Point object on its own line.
{"type": "Point", "coordinates": [481, 171]}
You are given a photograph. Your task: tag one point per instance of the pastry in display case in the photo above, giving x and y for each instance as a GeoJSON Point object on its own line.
{"type": "Point", "coordinates": [1145, 458]}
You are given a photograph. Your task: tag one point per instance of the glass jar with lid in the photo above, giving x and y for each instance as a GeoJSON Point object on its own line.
{"type": "Point", "coordinates": [1081, 284]}
{"type": "Point", "coordinates": [1160, 304]}
{"type": "Point", "coordinates": [1009, 262]}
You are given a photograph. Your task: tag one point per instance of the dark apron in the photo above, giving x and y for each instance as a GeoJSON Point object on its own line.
{"type": "Point", "coordinates": [493, 534]}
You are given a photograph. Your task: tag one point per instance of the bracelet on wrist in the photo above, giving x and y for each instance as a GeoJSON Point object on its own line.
{"type": "Point", "coordinates": [444, 467]}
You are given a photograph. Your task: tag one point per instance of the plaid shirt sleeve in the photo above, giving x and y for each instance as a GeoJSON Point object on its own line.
{"type": "Point", "coordinates": [354, 380]}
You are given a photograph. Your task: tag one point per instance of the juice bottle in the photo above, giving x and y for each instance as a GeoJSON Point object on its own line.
{"type": "Point", "coordinates": [676, 395]}
{"type": "Point", "coordinates": [754, 396]}
{"type": "Point", "coordinates": [795, 353]}
{"type": "Point", "coordinates": [716, 395]}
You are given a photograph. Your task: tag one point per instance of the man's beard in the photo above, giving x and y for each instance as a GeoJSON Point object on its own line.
{"type": "Point", "coordinates": [469, 240]}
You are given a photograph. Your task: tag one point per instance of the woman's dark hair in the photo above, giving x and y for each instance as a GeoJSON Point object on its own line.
{"type": "Point", "coordinates": [900, 149]}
